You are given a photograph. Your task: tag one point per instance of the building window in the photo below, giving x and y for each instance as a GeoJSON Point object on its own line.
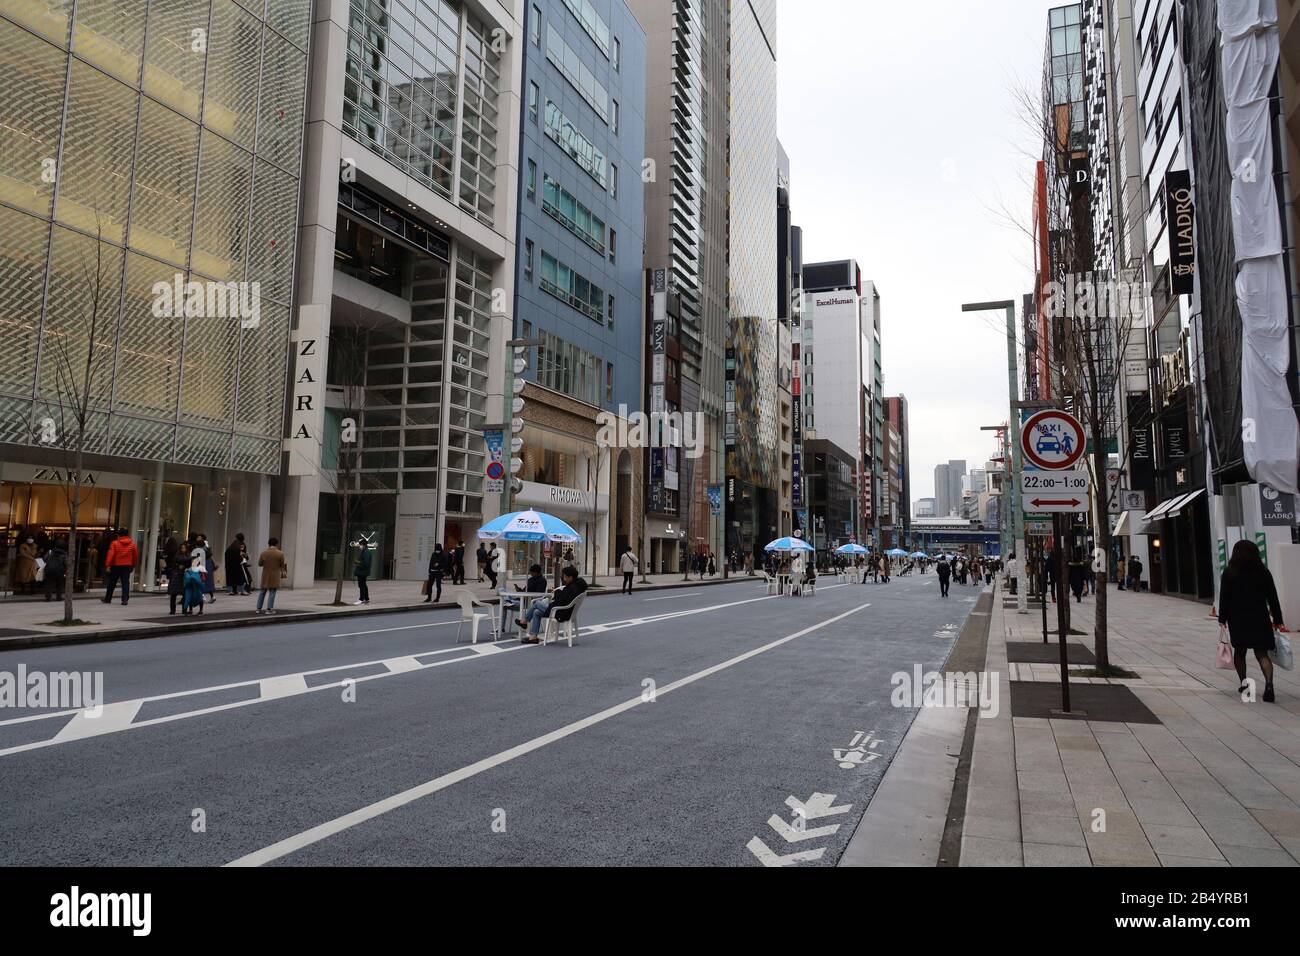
{"type": "Point", "coordinates": [560, 205]}
{"type": "Point", "coordinates": [533, 94]}
{"type": "Point", "coordinates": [569, 287]}
{"type": "Point", "coordinates": [618, 55]}
{"type": "Point", "coordinates": [591, 21]}
{"type": "Point", "coordinates": [528, 265]}
{"type": "Point", "coordinates": [579, 75]}
{"type": "Point", "coordinates": [609, 311]}
{"type": "Point", "coordinates": [613, 179]}
{"type": "Point", "coordinates": [613, 116]}
{"type": "Point", "coordinates": [609, 381]}
{"type": "Point", "coordinates": [613, 243]}
{"type": "Point", "coordinates": [536, 34]}
{"type": "Point", "coordinates": [532, 180]}
{"type": "Point", "coordinates": [580, 149]}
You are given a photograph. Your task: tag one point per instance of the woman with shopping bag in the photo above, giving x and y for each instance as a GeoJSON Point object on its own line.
{"type": "Point", "coordinates": [1249, 612]}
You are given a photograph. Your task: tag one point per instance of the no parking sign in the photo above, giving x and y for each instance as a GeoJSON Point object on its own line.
{"type": "Point", "coordinates": [1052, 440]}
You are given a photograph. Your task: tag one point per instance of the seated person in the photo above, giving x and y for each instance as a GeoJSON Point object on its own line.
{"type": "Point", "coordinates": [536, 584]}
{"type": "Point", "coordinates": [573, 586]}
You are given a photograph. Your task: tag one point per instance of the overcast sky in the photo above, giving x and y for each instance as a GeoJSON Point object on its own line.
{"type": "Point", "coordinates": [904, 143]}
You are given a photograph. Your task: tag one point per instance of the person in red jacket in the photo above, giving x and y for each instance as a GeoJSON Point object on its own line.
{"type": "Point", "coordinates": [119, 562]}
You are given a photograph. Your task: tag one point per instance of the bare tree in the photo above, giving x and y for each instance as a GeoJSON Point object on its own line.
{"type": "Point", "coordinates": [69, 423]}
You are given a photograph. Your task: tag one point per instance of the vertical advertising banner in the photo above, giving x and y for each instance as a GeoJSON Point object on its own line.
{"type": "Point", "coordinates": [494, 483]}
{"type": "Point", "coordinates": [307, 412]}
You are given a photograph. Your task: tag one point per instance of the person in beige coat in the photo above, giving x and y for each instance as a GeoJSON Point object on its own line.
{"type": "Point", "coordinates": [274, 568]}
{"type": "Point", "coordinates": [25, 567]}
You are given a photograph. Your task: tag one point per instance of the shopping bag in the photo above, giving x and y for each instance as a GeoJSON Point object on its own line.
{"type": "Point", "coordinates": [1224, 662]}
{"type": "Point", "coordinates": [424, 588]}
{"type": "Point", "coordinates": [1281, 652]}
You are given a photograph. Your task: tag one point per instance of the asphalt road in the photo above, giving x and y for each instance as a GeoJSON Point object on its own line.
{"type": "Point", "coordinates": [672, 733]}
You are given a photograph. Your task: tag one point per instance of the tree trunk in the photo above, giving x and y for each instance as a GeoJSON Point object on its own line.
{"type": "Point", "coordinates": [343, 553]}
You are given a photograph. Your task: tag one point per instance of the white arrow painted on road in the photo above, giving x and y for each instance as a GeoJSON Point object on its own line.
{"type": "Point", "coordinates": [768, 857]}
{"type": "Point", "coordinates": [819, 805]}
{"type": "Point", "coordinates": [793, 835]}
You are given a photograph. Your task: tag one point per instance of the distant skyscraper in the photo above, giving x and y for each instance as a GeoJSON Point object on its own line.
{"type": "Point", "coordinates": [942, 490]}
{"type": "Point", "coordinates": [956, 472]}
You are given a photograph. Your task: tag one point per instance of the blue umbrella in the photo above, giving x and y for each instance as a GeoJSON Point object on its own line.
{"type": "Point", "coordinates": [789, 544]}
{"type": "Point", "coordinates": [918, 554]}
{"type": "Point", "coordinates": [896, 553]}
{"type": "Point", "coordinates": [528, 526]}
{"type": "Point", "coordinates": [851, 549]}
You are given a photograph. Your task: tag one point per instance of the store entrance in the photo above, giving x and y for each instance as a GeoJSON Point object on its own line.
{"type": "Point", "coordinates": [40, 512]}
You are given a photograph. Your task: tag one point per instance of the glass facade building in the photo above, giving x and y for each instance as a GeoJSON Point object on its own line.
{"type": "Point", "coordinates": [752, 410]}
{"type": "Point", "coordinates": [181, 119]}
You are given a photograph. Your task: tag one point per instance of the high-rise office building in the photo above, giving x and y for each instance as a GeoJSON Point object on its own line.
{"type": "Point", "coordinates": [149, 182]}
{"type": "Point", "coordinates": [753, 427]}
{"type": "Point", "coordinates": [687, 122]}
{"type": "Point", "coordinates": [579, 280]}
{"type": "Point", "coordinates": [901, 467]}
{"type": "Point", "coordinates": [407, 281]}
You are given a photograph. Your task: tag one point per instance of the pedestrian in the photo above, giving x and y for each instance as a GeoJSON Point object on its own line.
{"type": "Point", "coordinates": [482, 555]}
{"type": "Point", "coordinates": [489, 564]}
{"type": "Point", "coordinates": [208, 567]}
{"type": "Point", "coordinates": [25, 567]}
{"type": "Point", "coordinates": [1013, 570]}
{"type": "Point", "coordinates": [1120, 575]}
{"type": "Point", "coordinates": [1249, 612]}
{"type": "Point", "coordinates": [1078, 576]}
{"type": "Point", "coordinates": [178, 562]}
{"type": "Point", "coordinates": [944, 570]}
{"type": "Point", "coordinates": [713, 566]}
{"type": "Point", "coordinates": [437, 568]}
{"type": "Point", "coordinates": [1053, 585]}
{"type": "Point", "coordinates": [235, 565]}
{"type": "Point", "coordinates": [1134, 573]}
{"type": "Point", "coordinates": [56, 570]}
{"type": "Point", "coordinates": [628, 564]}
{"type": "Point", "coordinates": [458, 563]}
{"type": "Point", "coordinates": [275, 568]}
{"type": "Point", "coordinates": [361, 570]}
{"type": "Point", "coordinates": [192, 589]}
{"type": "Point", "coordinates": [119, 563]}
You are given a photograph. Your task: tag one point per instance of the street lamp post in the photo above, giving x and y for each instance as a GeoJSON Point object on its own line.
{"type": "Point", "coordinates": [1013, 394]}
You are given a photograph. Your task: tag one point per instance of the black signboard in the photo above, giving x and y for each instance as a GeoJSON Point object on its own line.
{"type": "Point", "coordinates": [1180, 215]}
{"type": "Point", "coordinates": [1142, 464]}
{"type": "Point", "coordinates": [1175, 443]}
{"type": "Point", "coordinates": [1276, 507]}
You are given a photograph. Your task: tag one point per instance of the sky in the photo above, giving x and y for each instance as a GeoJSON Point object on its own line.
{"type": "Point", "coordinates": [907, 153]}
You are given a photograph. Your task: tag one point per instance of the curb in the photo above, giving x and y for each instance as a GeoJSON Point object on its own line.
{"type": "Point", "coordinates": [54, 639]}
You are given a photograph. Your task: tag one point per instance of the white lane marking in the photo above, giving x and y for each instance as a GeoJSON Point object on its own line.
{"type": "Point", "coordinates": [403, 665]}
{"type": "Point", "coordinates": [792, 835]}
{"type": "Point", "coordinates": [675, 597]}
{"type": "Point", "coordinates": [768, 858]}
{"type": "Point", "coordinates": [332, 827]}
{"type": "Point", "coordinates": [115, 717]}
{"type": "Point", "coordinates": [290, 685]}
{"type": "Point", "coordinates": [270, 688]}
{"type": "Point", "coordinates": [389, 630]}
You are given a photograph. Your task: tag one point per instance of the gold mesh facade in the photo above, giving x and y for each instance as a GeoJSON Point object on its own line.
{"type": "Point", "coordinates": [150, 143]}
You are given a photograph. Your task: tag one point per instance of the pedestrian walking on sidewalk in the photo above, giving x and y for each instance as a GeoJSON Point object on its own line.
{"type": "Point", "coordinates": [489, 566]}
{"type": "Point", "coordinates": [1134, 574]}
{"type": "Point", "coordinates": [235, 552]}
{"type": "Point", "coordinates": [274, 570]}
{"type": "Point", "coordinates": [1249, 611]}
{"type": "Point", "coordinates": [628, 564]}
{"type": "Point", "coordinates": [1078, 576]}
{"type": "Point", "coordinates": [361, 570]}
{"type": "Point", "coordinates": [178, 562]}
{"type": "Point", "coordinates": [482, 555]}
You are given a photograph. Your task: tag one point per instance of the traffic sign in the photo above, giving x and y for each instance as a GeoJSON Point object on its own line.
{"type": "Point", "coordinates": [495, 470]}
{"type": "Point", "coordinates": [1052, 440]}
{"type": "Point", "coordinates": [1060, 492]}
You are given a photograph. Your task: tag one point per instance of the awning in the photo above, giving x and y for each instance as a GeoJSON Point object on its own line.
{"type": "Point", "coordinates": [1158, 512]}
{"type": "Point", "coordinates": [1120, 528]}
{"type": "Point", "coordinates": [1183, 502]}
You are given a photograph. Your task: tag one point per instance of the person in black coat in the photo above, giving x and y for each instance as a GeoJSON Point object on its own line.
{"type": "Point", "coordinates": [438, 564]}
{"type": "Point", "coordinates": [1250, 612]}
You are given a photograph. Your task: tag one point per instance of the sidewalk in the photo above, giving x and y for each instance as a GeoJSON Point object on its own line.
{"type": "Point", "coordinates": [1213, 781]}
{"type": "Point", "coordinates": [25, 623]}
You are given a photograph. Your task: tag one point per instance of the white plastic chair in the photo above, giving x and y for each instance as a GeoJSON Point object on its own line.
{"type": "Point", "coordinates": [472, 617]}
{"type": "Point", "coordinates": [773, 586]}
{"type": "Point", "coordinates": [809, 587]}
{"type": "Point", "coordinates": [562, 629]}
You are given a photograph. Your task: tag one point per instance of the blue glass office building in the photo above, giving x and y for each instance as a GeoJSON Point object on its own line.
{"type": "Point", "coordinates": [582, 202]}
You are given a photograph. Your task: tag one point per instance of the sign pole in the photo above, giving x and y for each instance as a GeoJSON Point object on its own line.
{"type": "Point", "coordinates": [1059, 530]}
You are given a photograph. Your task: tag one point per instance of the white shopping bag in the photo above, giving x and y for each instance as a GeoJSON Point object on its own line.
{"type": "Point", "coordinates": [1281, 653]}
